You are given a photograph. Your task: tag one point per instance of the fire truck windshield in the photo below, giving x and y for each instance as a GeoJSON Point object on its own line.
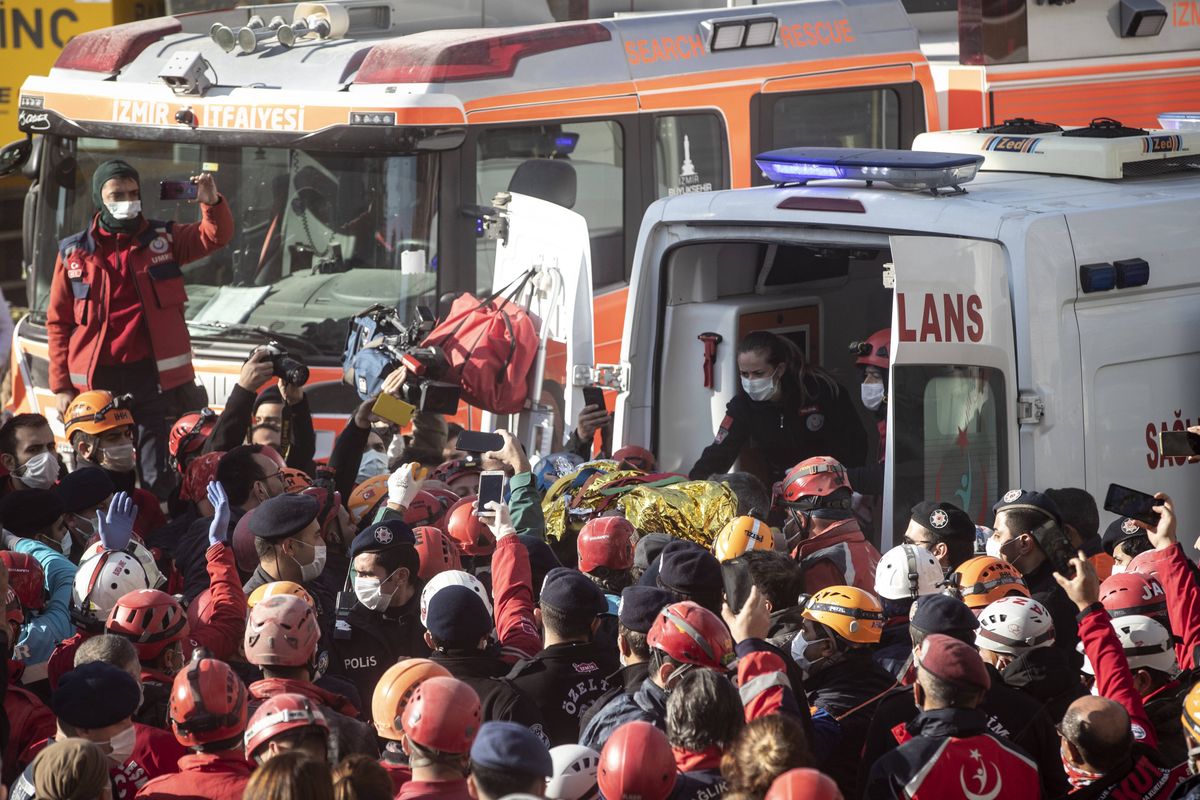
{"type": "Point", "coordinates": [319, 237]}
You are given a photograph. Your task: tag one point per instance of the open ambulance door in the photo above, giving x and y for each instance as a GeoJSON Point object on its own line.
{"type": "Point", "coordinates": [952, 394]}
{"type": "Point", "coordinates": [552, 242]}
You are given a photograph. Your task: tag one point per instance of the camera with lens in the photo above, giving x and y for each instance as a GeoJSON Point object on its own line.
{"type": "Point", "coordinates": [379, 342]}
{"type": "Point", "coordinates": [285, 366]}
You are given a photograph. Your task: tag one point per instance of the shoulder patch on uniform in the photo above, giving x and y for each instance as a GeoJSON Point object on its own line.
{"type": "Point", "coordinates": [723, 429]}
{"type": "Point", "coordinates": [814, 422]}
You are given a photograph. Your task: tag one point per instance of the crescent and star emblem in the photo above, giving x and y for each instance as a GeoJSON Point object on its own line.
{"type": "Point", "coordinates": [980, 776]}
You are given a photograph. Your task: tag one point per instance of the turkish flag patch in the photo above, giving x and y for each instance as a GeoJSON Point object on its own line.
{"type": "Point", "coordinates": [723, 431]}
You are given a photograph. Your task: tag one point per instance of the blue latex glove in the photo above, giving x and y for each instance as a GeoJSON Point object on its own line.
{"type": "Point", "coordinates": [116, 527]}
{"type": "Point", "coordinates": [218, 529]}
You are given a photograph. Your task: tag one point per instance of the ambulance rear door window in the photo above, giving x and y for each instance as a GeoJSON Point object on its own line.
{"type": "Point", "coordinates": [950, 438]}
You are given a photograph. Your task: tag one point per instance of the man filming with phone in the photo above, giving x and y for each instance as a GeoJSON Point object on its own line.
{"type": "Point", "coordinates": [115, 318]}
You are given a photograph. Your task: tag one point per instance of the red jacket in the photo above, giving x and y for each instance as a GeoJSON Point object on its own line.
{"type": "Point", "coordinates": [1113, 678]}
{"type": "Point", "coordinates": [512, 588]}
{"type": "Point", "coordinates": [434, 790]}
{"type": "Point", "coordinates": [399, 773]}
{"type": "Point", "coordinates": [30, 722]}
{"type": "Point", "coordinates": [839, 556]}
{"type": "Point", "coordinates": [223, 623]}
{"type": "Point", "coordinates": [62, 660]}
{"type": "Point", "coordinates": [1183, 600]}
{"type": "Point", "coordinates": [202, 776]}
{"type": "Point", "coordinates": [86, 286]}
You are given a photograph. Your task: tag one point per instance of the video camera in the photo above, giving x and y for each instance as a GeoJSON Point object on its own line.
{"type": "Point", "coordinates": [379, 341]}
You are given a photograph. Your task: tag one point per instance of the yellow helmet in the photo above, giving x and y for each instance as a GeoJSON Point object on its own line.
{"type": "Point", "coordinates": [848, 611]}
{"type": "Point", "coordinates": [1191, 717]}
{"type": "Point", "coordinates": [95, 413]}
{"type": "Point", "coordinates": [395, 688]}
{"type": "Point", "coordinates": [366, 495]}
{"type": "Point", "coordinates": [276, 588]}
{"type": "Point", "coordinates": [741, 535]}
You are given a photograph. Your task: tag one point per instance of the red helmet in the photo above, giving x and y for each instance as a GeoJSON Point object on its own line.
{"type": "Point", "coordinates": [819, 476]}
{"type": "Point", "coordinates": [208, 702]}
{"type": "Point", "coordinates": [473, 537]}
{"type": "Point", "coordinates": [189, 433]}
{"type": "Point", "coordinates": [637, 764]}
{"type": "Point", "coordinates": [636, 457]}
{"type": "Point", "coordinates": [443, 715]}
{"type": "Point", "coordinates": [282, 632]}
{"type": "Point", "coordinates": [26, 578]}
{"type": "Point", "coordinates": [606, 542]}
{"type": "Point", "coordinates": [1145, 564]}
{"type": "Point", "coordinates": [874, 352]}
{"type": "Point", "coordinates": [425, 509]}
{"type": "Point", "coordinates": [151, 619]}
{"type": "Point", "coordinates": [1133, 593]}
{"type": "Point", "coordinates": [692, 634]}
{"type": "Point", "coordinates": [804, 784]}
{"type": "Point", "coordinates": [437, 551]}
{"type": "Point", "coordinates": [280, 714]}
{"type": "Point", "coordinates": [445, 496]}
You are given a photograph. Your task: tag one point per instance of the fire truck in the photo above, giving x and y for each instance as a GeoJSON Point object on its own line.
{"type": "Point", "coordinates": [1039, 286]}
{"type": "Point", "coordinates": [356, 151]}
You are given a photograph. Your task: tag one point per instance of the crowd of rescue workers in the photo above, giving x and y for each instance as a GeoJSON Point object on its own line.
{"type": "Point", "coordinates": [199, 608]}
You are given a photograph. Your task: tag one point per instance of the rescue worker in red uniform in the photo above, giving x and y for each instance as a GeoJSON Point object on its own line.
{"type": "Point", "coordinates": [823, 531]}
{"type": "Point", "coordinates": [115, 318]}
{"type": "Point", "coordinates": [208, 715]}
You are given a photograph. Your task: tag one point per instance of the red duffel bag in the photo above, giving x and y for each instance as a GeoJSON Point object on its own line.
{"type": "Point", "coordinates": [490, 346]}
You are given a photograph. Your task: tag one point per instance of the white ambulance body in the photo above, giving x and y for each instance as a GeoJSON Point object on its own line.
{"type": "Point", "coordinates": [1012, 362]}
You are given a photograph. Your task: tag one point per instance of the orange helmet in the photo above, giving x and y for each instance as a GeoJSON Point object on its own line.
{"type": "Point", "coordinates": [1191, 714]}
{"type": "Point", "coordinates": [295, 480]}
{"type": "Point", "coordinates": [279, 587]}
{"type": "Point", "coordinates": [208, 703]}
{"type": "Point", "coordinates": [874, 351]}
{"type": "Point", "coordinates": [848, 611]}
{"type": "Point", "coordinates": [395, 689]}
{"type": "Point", "coordinates": [95, 413]}
{"type": "Point", "coordinates": [474, 538]}
{"type": "Point", "coordinates": [366, 495]}
{"type": "Point", "coordinates": [814, 478]}
{"type": "Point", "coordinates": [437, 551]}
{"type": "Point", "coordinates": [741, 535]}
{"type": "Point", "coordinates": [980, 580]}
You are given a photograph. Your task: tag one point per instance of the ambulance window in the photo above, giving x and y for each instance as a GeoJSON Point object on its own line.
{"type": "Point", "coordinates": [950, 438]}
{"type": "Point", "coordinates": [596, 151]}
{"type": "Point", "coordinates": [846, 118]}
{"type": "Point", "coordinates": [689, 154]}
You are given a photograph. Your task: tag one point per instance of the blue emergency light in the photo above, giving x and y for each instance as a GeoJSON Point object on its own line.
{"type": "Point", "coordinates": [903, 169]}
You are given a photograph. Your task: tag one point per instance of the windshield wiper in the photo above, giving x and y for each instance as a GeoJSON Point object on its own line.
{"type": "Point", "coordinates": [256, 331]}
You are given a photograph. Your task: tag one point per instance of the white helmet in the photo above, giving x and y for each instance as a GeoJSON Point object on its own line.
{"type": "Point", "coordinates": [101, 581]}
{"type": "Point", "coordinates": [906, 572]}
{"type": "Point", "coordinates": [138, 551]}
{"type": "Point", "coordinates": [574, 774]}
{"type": "Point", "coordinates": [1013, 625]}
{"type": "Point", "coordinates": [452, 577]}
{"type": "Point", "coordinates": [1147, 645]}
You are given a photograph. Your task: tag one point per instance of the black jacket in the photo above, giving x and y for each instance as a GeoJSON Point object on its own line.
{"type": "Point", "coordinates": [1010, 714]}
{"type": "Point", "coordinates": [1046, 591]}
{"type": "Point", "coordinates": [1048, 675]}
{"type": "Point", "coordinates": [1165, 710]}
{"type": "Point", "coordinates": [501, 700]}
{"type": "Point", "coordinates": [784, 433]}
{"type": "Point", "coordinates": [625, 681]}
{"type": "Point", "coordinates": [373, 641]}
{"type": "Point", "coordinates": [850, 692]}
{"type": "Point", "coordinates": [564, 680]}
{"type": "Point", "coordinates": [950, 753]}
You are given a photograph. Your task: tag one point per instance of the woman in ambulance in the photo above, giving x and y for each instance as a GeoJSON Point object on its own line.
{"type": "Point", "coordinates": [787, 411]}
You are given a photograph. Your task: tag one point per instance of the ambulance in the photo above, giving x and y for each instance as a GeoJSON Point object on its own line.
{"type": "Point", "coordinates": [360, 142]}
{"type": "Point", "coordinates": [1040, 288]}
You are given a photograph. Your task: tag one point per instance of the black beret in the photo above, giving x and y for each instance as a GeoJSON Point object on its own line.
{"type": "Point", "coordinates": [384, 535]}
{"type": "Point", "coordinates": [95, 695]}
{"type": "Point", "coordinates": [945, 520]}
{"type": "Point", "coordinates": [648, 548]}
{"type": "Point", "coordinates": [284, 516]}
{"type": "Point", "coordinates": [688, 569]}
{"type": "Point", "coordinates": [30, 511]}
{"type": "Point", "coordinates": [572, 592]}
{"type": "Point", "coordinates": [1119, 530]}
{"type": "Point", "coordinates": [941, 613]}
{"type": "Point", "coordinates": [640, 606]}
{"type": "Point", "coordinates": [84, 489]}
{"type": "Point", "coordinates": [271, 394]}
{"type": "Point", "coordinates": [456, 614]}
{"type": "Point", "coordinates": [511, 747]}
{"type": "Point", "coordinates": [1018, 499]}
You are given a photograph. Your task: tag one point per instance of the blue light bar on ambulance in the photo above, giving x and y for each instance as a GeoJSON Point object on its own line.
{"type": "Point", "coordinates": [1182, 121]}
{"type": "Point", "coordinates": [903, 169]}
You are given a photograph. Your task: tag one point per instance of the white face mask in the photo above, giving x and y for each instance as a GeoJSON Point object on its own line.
{"type": "Point", "coordinates": [118, 457]}
{"type": "Point", "coordinates": [1118, 569]}
{"type": "Point", "coordinates": [122, 745]}
{"type": "Point", "coordinates": [800, 647]}
{"type": "Point", "coordinates": [759, 388]}
{"type": "Point", "coordinates": [124, 209]}
{"type": "Point", "coordinates": [373, 463]}
{"type": "Point", "coordinates": [64, 544]}
{"type": "Point", "coordinates": [872, 395]}
{"type": "Point", "coordinates": [310, 571]}
{"type": "Point", "coordinates": [39, 472]}
{"type": "Point", "coordinates": [995, 548]}
{"type": "Point", "coordinates": [369, 592]}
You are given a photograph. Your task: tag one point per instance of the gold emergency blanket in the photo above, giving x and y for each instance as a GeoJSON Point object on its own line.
{"type": "Point", "coordinates": [692, 510]}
